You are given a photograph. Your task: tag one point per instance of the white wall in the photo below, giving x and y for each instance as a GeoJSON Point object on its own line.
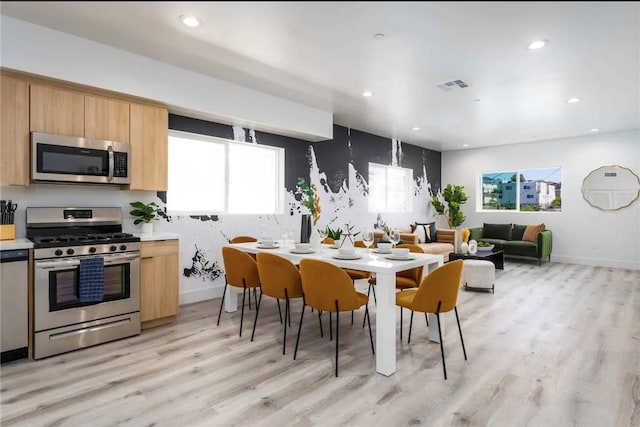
{"type": "Point", "coordinates": [39, 50]}
{"type": "Point", "coordinates": [582, 234]}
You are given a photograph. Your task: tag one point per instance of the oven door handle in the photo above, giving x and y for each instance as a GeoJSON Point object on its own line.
{"type": "Point", "coordinates": [113, 259]}
{"type": "Point", "coordinates": [111, 163]}
{"type": "Point", "coordinates": [57, 264]}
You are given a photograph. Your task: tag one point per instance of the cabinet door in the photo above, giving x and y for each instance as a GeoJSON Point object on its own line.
{"type": "Point", "coordinates": [149, 140]}
{"type": "Point", "coordinates": [159, 280]}
{"type": "Point", "coordinates": [14, 132]}
{"type": "Point", "coordinates": [106, 118]}
{"type": "Point", "coordinates": [56, 111]}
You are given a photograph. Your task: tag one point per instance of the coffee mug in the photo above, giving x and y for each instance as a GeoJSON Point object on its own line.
{"type": "Point", "coordinates": [384, 247]}
{"type": "Point", "coordinates": [347, 251]}
{"type": "Point", "coordinates": [303, 246]}
{"type": "Point", "coordinates": [400, 252]}
{"type": "Point", "coordinates": [267, 241]}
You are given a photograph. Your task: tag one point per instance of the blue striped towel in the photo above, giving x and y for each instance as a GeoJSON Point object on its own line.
{"type": "Point", "coordinates": [91, 281]}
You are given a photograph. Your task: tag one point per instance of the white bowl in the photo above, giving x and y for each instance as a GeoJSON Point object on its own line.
{"type": "Point", "coordinates": [303, 246]}
{"type": "Point", "coordinates": [486, 248]}
{"type": "Point", "coordinates": [346, 251]}
{"type": "Point", "coordinates": [400, 252]}
{"type": "Point", "coordinates": [384, 247]}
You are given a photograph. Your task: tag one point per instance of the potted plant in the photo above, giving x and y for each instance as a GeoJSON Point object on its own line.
{"type": "Point", "coordinates": [145, 214]}
{"type": "Point", "coordinates": [454, 196]}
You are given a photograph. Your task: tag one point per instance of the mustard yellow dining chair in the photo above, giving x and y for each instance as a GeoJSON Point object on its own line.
{"type": "Point", "coordinates": [437, 294]}
{"type": "Point", "coordinates": [327, 287]}
{"type": "Point", "coordinates": [406, 279]}
{"type": "Point", "coordinates": [279, 279]}
{"type": "Point", "coordinates": [243, 239]}
{"type": "Point", "coordinates": [241, 271]}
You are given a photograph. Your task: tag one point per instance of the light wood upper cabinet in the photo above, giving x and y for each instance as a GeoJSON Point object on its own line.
{"type": "Point", "coordinates": [159, 281]}
{"type": "Point", "coordinates": [149, 140]}
{"type": "Point", "coordinates": [106, 118]}
{"type": "Point", "coordinates": [14, 132]}
{"type": "Point", "coordinates": [56, 111]}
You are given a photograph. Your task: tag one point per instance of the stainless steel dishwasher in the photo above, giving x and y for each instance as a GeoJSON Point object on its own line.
{"type": "Point", "coordinates": [14, 306]}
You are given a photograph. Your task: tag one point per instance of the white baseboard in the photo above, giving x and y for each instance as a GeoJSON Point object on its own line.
{"type": "Point", "coordinates": [599, 262]}
{"type": "Point", "coordinates": [201, 294]}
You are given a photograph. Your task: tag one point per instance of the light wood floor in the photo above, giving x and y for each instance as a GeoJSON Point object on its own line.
{"type": "Point", "coordinates": [555, 345]}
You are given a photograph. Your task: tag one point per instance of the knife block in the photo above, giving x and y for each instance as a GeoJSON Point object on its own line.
{"type": "Point", "coordinates": [7, 232]}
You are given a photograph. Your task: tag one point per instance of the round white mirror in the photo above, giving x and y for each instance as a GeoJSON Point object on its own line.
{"type": "Point", "coordinates": [611, 188]}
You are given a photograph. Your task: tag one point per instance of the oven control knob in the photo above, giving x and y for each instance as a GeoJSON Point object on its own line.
{"type": "Point", "coordinates": [123, 247]}
{"type": "Point", "coordinates": [70, 251]}
{"type": "Point", "coordinates": [113, 248]}
{"type": "Point", "coordinates": [92, 250]}
{"type": "Point", "coordinates": [58, 252]}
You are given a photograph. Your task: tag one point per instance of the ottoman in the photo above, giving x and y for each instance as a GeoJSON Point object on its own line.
{"type": "Point", "coordinates": [478, 275]}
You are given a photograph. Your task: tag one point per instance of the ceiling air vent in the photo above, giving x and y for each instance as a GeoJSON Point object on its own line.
{"type": "Point", "coordinates": [453, 84]}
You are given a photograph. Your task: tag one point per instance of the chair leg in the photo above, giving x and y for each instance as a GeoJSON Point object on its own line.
{"type": "Point", "coordinates": [320, 320]}
{"type": "Point", "coordinates": [330, 327]}
{"type": "Point", "coordinates": [255, 322]}
{"type": "Point", "coordinates": [410, 327]}
{"type": "Point", "coordinates": [287, 313]}
{"type": "Point", "coordinates": [366, 315]}
{"type": "Point", "coordinates": [400, 323]}
{"type": "Point", "coordinates": [224, 291]}
{"type": "Point", "coordinates": [279, 311]}
{"type": "Point", "coordinates": [444, 366]}
{"type": "Point", "coordinates": [426, 319]}
{"type": "Point", "coordinates": [244, 291]}
{"type": "Point", "coordinates": [460, 330]}
{"type": "Point", "coordinates": [337, 333]}
{"type": "Point", "coordinates": [374, 295]}
{"type": "Point", "coordinates": [249, 299]}
{"type": "Point", "coordinates": [352, 317]}
{"type": "Point", "coordinates": [295, 353]}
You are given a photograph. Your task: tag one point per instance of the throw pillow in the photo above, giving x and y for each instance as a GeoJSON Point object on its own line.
{"type": "Point", "coordinates": [429, 231]}
{"type": "Point", "coordinates": [517, 232]}
{"type": "Point", "coordinates": [532, 231]}
{"type": "Point", "coordinates": [497, 231]}
{"type": "Point", "coordinates": [424, 234]}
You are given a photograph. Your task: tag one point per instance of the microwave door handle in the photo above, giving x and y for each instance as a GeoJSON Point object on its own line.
{"type": "Point", "coordinates": [110, 150]}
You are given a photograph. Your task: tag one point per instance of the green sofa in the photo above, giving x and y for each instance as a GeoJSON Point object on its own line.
{"type": "Point", "coordinates": [508, 238]}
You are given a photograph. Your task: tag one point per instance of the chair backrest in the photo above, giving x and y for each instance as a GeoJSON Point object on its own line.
{"type": "Point", "coordinates": [240, 265]}
{"type": "Point", "coordinates": [277, 274]}
{"type": "Point", "coordinates": [243, 239]}
{"type": "Point", "coordinates": [415, 273]}
{"type": "Point", "coordinates": [442, 284]}
{"type": "Point", "coordinates": [328, 241]}
{"type": "Point", "coordinates": [360, 244]}
{"type": "Point", "coordinates": [324, 283]}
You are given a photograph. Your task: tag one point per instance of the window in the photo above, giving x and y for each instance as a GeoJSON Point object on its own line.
{"type": "Point", "coordinates": [213, 175]}
{"type": "Point", "coordinates": [521, 190]}
{"type": "Point", "coordinates": [390, 188]}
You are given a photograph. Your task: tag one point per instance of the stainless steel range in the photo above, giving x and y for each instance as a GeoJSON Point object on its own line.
{"type": "Point", "coordinates": [66, 241]}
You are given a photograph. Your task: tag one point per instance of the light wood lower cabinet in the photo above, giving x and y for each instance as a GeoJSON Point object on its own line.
{"type": "Point", "coordinates": [159, 282]}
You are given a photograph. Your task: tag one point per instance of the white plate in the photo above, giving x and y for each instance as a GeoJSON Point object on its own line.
{"type": "Point", "coordinates": [395, 258]}
{"type": "Point", "coordinates": [347, 257]}
{"type": "Point", "coordinates": [308, 251]}
{"type": "Point", "coordinates": [268, 247]}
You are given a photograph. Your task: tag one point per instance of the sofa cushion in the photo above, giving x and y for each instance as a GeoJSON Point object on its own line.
{"type": "Point", "coordinates": [436, 248]}
{"type": "Point", "coordinates": [497, 231]}
{"type": "Point", "coordinates": [520, 247]}
{"type": "Point", "coordinates": [426, 228]}
{"type": "Point", "coordinates": [531, 232]}
{"type": "Point", "coordinates": [517, 231]}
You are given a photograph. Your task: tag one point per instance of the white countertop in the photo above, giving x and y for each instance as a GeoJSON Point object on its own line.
{"type": "Point", "coordinates": [157, 236]}
{"type": "Point", "coordinates": [6, 245]}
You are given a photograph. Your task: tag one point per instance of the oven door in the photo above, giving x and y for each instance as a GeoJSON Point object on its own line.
{"type": "Point", "coordinates": [62, 158]}
{"type": "Point", "coordinates": [56, 291]}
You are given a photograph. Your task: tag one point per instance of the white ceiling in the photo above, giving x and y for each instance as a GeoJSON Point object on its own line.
{"type": "Point", "coordinates": [323, 54]}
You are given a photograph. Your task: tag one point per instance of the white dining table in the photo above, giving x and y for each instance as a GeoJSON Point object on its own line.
{"type": "Point", "coordinates": [385, 270]}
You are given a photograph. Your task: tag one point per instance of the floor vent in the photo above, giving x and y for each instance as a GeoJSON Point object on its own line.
{"type": "Point", "coordinates": [453, 84]}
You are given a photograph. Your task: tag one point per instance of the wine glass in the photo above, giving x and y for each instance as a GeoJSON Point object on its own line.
{"type": "Point", "coordinates": [394, 237]}
{"type": "Point", "coordinates": [367, 239]}
{"type": "Point", "coordinates": [323, 234]}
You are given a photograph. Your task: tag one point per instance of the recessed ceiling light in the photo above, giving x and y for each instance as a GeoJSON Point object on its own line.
{"type": "Point", "coordinates": [595, 130]}
{"type": "Point", "coordinates": [378, 36]}
{"type": "Point", "coordinates": [573, 100]}
{"type": "Point", "coordinates": [476, 100]}
{"type": "Point", "coordinates": [465, 145]}
{"type": "Point", "coordinates": [537, 44]}
{"type": "Point", "coordinates": [415, 128]}
{"type": "Point", "coordinates": [367, 93]}
{"type": "Point", "coordinates": [190, 21]}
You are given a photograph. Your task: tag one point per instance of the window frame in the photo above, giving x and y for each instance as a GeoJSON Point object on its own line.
{"type": "Point", "coordinates": [279, 190]}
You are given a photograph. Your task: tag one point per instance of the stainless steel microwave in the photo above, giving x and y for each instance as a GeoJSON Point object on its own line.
{"type": "Point", "coordinates": [60, 158]}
